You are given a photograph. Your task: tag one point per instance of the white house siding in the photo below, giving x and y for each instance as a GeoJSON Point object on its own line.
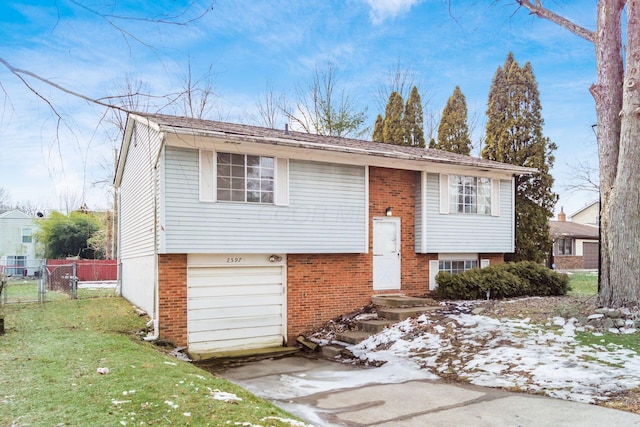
{"type": "Point", "coordinates": [137, 193]}
{"type": "Point", "coordinates": [326, 212]}
{"type": "Point", "coordinates": [137, 218]}
{"type": "Point", "coordinates": [138, 281]}
{"type": "Point", "coordinates": [460, 233]}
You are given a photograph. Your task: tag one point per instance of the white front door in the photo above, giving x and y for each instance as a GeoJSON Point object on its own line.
{"type": "Point", "coordinates": [386, 253]}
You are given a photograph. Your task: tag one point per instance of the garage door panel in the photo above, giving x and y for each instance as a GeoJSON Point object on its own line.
{"type": "Point", "coordinates": [234, 301]}
{"type": "Point", "coordinates": [239, 280]}
{"type": "Point", "coordinates": [590, 254]}
{"type": "Point", "coordinates": [236, 323]}
{"type": "Point", "coordinates": [230, 273]}
{"type": "Point", "coordinates": [234, 307]}
{"type": "Point", "coordinates": [236, 344]}
{"type": "Point", "coordinates": [222, 291]}
{"type": "Point", "coordinates": [230, 312]}
{"type": "Point", "coordinates": [232, 334]}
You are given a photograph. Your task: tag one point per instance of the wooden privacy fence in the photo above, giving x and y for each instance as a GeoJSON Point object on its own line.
{"type": "Point", "coordinates": [89, 270]}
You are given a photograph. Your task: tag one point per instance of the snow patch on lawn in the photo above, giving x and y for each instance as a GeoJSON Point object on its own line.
{"type": "Point", "coordinates": [506, 353]}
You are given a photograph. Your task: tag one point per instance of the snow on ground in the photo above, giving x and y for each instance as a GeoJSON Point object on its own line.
{"type": "Point", "coordinates": [508, 353]}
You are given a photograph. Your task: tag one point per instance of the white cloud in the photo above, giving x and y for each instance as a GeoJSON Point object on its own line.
{"type": "Point", "coordinates": [388, 9]}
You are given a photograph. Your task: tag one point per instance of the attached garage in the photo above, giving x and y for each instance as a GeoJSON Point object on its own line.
{"type": "Point", "coordinates": [590, 255]}
{"type": "Point", "coordinates": [235, 302]}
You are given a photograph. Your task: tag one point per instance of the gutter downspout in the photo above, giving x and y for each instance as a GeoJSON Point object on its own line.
{"type": "Point", "coordinates": [156, 300]}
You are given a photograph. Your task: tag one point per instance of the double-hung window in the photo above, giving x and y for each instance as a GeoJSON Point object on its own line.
{"type": "Point", "coordinates": [244, 178]}
{"type": "Point", "coordinates": [469, 195]}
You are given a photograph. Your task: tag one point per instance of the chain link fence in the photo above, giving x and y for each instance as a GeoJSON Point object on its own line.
{"type": "Point", "coordinates": [40, 280]}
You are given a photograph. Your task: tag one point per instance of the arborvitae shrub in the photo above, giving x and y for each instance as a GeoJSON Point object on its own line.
{"type": "Point", "coordinates": [507, 280]}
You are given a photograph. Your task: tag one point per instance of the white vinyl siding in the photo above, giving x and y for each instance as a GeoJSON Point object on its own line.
{"type": "Point", "coordinates": [453, 233]}
{"type": "Point", "coordinates": [326, 211]}
{"type": "Point", "coordinates": [137, 193]}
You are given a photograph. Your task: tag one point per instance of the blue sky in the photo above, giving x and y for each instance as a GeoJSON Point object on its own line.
{"type": "Point", "coordinates": [249, 43]}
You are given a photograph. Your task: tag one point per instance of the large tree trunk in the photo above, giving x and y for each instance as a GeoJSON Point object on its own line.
{"type": "Point", "coordinates": [620, 275]}
{"type": "Point", "coordinates": [608, 97]}
{"type": "Point", "coordinates": [618, 111]}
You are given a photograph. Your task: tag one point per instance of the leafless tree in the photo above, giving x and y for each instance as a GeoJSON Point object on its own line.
{"type": "Point", "coordinates": [198, 98]}
{"type": "Point", "coordinates": [268, 107]}
{"type": "Point", "coordinates": [584, 177]}
{"type": "Point", "coordinates": [399, 79]}
{"type": "Point", "coordinates": [324, 109]}
{"type": "Point", "coordinates": [5, 199]}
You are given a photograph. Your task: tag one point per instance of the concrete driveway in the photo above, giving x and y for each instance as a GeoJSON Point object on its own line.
{"type": "Point", "coordinates": [326, 393]}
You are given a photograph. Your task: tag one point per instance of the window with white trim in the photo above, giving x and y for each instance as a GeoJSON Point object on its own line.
{"type": "Point", "coordinates": [469, 195]}
{"type": "Point", "coordinates": [457, 266]}
{"type": "Point", "coordinates": [27, 235]}
{"type": "Point", "coordinates": [244, 178]}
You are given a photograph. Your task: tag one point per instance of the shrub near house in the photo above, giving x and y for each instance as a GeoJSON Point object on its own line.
{"type": "Point", "coordinates": [502, 281]}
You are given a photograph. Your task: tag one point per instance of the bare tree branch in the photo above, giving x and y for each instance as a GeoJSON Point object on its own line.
{"type": "Point", "coordinates": [20, 73]}
{"type": "Point", "coordinates": [536, 8]}
{"type": "Point", "coordinates": [584, 178]}
{"type": "Point", "coordinates": [268, 107]}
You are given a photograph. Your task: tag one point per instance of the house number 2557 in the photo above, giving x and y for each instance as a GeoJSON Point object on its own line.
{"type": "Point", "coordinates": [234, 260]}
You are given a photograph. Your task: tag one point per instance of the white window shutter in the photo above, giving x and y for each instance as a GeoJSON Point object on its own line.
{"type": "Point", "coordinates": [281, 196]}
{"type": "Point", "coordinates": [207, 176]}
{"type": "Point", "coordinates": [444, 194]}
{"type": "Point", "coordinates": [495, 197]}
{"type": "Point", "coordinates": [434, 269]}
{"type": "Point", "coordinates": [484, 262]}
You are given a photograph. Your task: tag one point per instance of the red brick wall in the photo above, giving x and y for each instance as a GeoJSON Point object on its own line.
{"type": "Point", "coordinates": [172, 298]}
{"type": "Point", "coordinates": [568, 262]}
{"type": "Point", "coordinates": [493, 258]}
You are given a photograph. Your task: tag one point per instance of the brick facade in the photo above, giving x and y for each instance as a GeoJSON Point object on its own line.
{"type": "Point", "coordinates": [172, 298]}
{"type": "Point", "coordinates": [568, 262]}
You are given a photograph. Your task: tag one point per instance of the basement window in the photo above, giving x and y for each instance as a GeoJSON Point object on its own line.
{"type": "Point", "coordinates": [457, 266]}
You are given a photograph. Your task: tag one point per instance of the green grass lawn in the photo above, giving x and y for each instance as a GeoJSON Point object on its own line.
{"type": "Point", "coordinates": [49, 359]}
{"type": "Point", "coordinates": [20, 291]}
{"type": "Point", "coordinates": [586, 284]}
{"type": "Point", "coordinates": [583, 283]}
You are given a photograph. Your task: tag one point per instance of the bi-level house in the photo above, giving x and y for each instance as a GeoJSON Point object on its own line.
{"type": "Point", "coordinates": [238, 237]}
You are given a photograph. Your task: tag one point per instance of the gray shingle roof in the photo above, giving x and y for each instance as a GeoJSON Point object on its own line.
{"type": "Point", "coordinates": [572, 229]}
{"type": "Point", "coordinates": [185, 125]}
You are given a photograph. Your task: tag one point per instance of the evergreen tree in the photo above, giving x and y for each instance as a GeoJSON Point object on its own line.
{"type": "Point", "coordinates": [453, 132]}
{"type": "Point", "coordinates": [378, 129]}
{"type": "Point", "coordinates": [514, 135]}
{"type": "Point", "coordinates": [393, 131]}
{"type": "Point", "coordinates": [413, 120]}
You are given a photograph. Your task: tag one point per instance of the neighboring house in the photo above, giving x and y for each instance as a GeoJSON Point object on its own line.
{"type": "Point", "coordinates": [234, 236]}
{"type": "Point", "coordinates": [575, 245]}
{"type": "Point", "coordinates": [589, 215]}
{"type": "Point", "coordinates": [17, 245]}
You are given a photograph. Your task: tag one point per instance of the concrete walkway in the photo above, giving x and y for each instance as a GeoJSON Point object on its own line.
{"type": "Point", "coordinates": [330, 394]}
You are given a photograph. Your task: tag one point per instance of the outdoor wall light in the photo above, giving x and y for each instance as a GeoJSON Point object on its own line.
{"type": "Point", "coordinates": [389, 211]}
{"type": "Point", "coordinates": [275, 258]}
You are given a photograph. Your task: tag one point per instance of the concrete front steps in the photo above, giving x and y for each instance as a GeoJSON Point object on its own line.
{"type": "Point", "coordinates": [390, 309]}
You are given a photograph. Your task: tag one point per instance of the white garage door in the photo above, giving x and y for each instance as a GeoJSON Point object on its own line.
{"type": "Point", "coordinates": [235, 302]}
